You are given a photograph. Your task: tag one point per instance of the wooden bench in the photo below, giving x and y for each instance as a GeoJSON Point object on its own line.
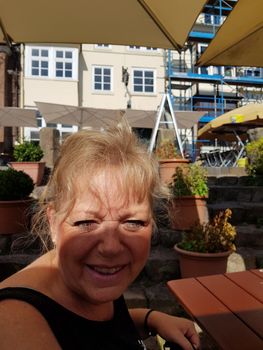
{"type": "Point", "coordinates": [228, 307]}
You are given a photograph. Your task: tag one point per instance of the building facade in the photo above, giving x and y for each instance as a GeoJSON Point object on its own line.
{"type": "Point", "coordinates": [98, 76]}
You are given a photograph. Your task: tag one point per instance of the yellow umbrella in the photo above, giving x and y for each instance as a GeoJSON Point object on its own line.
{"type": "Point", "coordinates": [153, 23]}
{"type": "Point", "coordinates": [238, 121]}
{"type": "Point", "coordinates": [239, 40]}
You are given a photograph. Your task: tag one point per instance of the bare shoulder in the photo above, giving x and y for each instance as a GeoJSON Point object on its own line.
{"type": "Point", "coordinates": [30, 328]}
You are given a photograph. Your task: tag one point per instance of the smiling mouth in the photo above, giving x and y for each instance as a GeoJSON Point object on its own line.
{"type": "Point", "coordinates": [106, 270]}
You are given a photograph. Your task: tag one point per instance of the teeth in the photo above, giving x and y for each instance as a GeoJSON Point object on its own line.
{"type": "Point", "coordinates": [105, 270]}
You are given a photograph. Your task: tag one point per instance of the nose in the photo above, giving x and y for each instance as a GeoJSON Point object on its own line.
{"type": "Point", "coordinates": [110, 243]}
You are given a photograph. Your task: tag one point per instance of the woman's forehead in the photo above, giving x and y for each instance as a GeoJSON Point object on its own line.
{"type": "Point", "coordinates": [105, 190]}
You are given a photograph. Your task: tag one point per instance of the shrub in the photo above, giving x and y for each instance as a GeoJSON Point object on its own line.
{"type": "Point", "coordinates": [254, 150]}
{"type": "Point", "coordinates": [212, 237]}
{"type": "Point", "coordinates": [27, 152]}
{"type": "Point", "coordinates": [191, 183]}
{"type": "Point", "coordinates": [15, 185]}
{"type": "Point", "coordinates": [166, 150]}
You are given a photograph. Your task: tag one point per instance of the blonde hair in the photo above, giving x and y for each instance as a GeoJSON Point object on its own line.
{"type": "Point", "coordinates": [85, 153]}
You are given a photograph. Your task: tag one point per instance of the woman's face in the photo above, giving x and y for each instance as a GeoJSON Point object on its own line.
{"type": "Point", "coordinates": [104, 242]}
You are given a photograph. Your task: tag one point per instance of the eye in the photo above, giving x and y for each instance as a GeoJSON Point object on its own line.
{"type": "Point", "coordinates": [87, 225]}
{"type": "Point", "coordinates": [134, 225]}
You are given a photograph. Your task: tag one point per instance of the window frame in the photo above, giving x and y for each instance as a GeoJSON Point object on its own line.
{"type": "Point", "coordinates": [52, 60]}
{"type": "Point", "coordinates": [144, 70]}
{"type": "Point", "coordinates": [102, 90]}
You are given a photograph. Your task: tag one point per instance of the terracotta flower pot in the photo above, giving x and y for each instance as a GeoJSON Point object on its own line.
{"type": "Point", "coordinates": [187, 211]}
{"type": "Point", "coordinates": [167, 167]}
{"type": "Point", "coordinates": [34, 169]}
{"type": "Point", "coordinates": [14, 216]}
{"type": "Point", "coordinates": [193, 264]}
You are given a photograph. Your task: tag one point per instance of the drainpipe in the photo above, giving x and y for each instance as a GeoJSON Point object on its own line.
{"type": "Point", "coordinates": [21, 83]}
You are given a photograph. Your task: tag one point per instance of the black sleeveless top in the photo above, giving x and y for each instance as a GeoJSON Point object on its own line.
{"type": "Point", "coordinates": [75, 332]}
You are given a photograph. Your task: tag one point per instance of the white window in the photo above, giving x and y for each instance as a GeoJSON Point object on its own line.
{"type": "Point", "coordinates": [143, 80]}
{"type": "Point", "coordinates": [103, 46]}
{"type": "Point", "coordinates": [102, 78]}
{"type": "Point", "coordinates": [39, 62]}
{"type": "Point", "coordinates": [51, 62]}
{"type": "Point", "coordinates": [142, 48]}
{"type": "Point", "coordinates": [64, 63]}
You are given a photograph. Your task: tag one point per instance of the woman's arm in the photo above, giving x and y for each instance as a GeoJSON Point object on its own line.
{"type": "Point", "coordinates": [174, 329]}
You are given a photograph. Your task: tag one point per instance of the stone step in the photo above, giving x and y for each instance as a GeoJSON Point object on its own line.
{"type": "Point", "coordinates": [235, 181]}
{"type": "Point", "coordinates": [245, 194]}
{"type": "Point", "coordinates": [248, 235]}
{"type": "Point", "coordinates": [242, 212]}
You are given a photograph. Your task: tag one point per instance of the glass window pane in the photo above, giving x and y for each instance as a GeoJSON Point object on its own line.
{"type": "Point", "coordinates": [68, 74]}
{"type": "Point", "coordinates": [106, 71]}
{"type": "Point", "coordinates": [68, 54]}
{"type": "Point", "coordinates": [148, 74]}
{"type": "Point", "coordinates": [35, 63]}
{"type": "Point", "coordinates": [149, 81]}
{"type": "Point", "coordinates": [59, 54]}
{"type": "Point", "coordinates": [44, 72]}
{"type": "Point", "coordinates": [138, 73]}
{"type": "Point", "coordinates": [35, 71]}
{"type": "Point", "coordinates": [59, 73]}
{"type": "Point", "coordinates": [138, 88]}
{"type": "Point", "coordinates": [97, 78]}
{"type": "Point", "coordinates": [35, 52]}
{"type": "Point", "coordinates": [44, 64]}
{"type": "Point", "coordinates": [59, 65]}
{"type": "Point", "coordinates": [68, 65]}
{"type": "Point", "coordinates": [97, 70]}
{"type": "Point", "coordinates": [107, 79]}
{"type": "Point", "coordinates": [97, 86]}
{"type": "Point", "coordinates": [44, 53]}
{"type": "Point", "coordinates": [137, 81]}
{"type": "Point", "coordinates": [51, 125]}
{"type": "Point", "coordinates": [106, 87]}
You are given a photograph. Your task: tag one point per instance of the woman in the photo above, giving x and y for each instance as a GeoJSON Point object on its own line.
{"type": "Point", "coordinates": [98, 208]}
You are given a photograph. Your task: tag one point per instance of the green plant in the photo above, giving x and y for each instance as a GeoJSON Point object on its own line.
{"type": "Point", "coordinates": [27, 152]}
{"type": "Point", "coordinates": [15, 185]}
{"type": "Point", "coordinates": [254, 150]}
{"type": "Point", "coordinates": [216, 236]}
{"type": "Point", "coordinates": [166, 150]}
{"type": "Point", "coordinates": [189, 182]}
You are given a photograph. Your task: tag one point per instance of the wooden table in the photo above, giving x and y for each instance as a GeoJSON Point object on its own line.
{"type": "Point", "coordinates": [228, 307]}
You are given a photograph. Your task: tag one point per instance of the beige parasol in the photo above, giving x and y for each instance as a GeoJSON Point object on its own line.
{"type": "Point", "coordinates": [13, 116]}
{"type": "Point", "coordinates": [239, 40]}
{"type": "Point", "coordinates": [80, 116]}
{"type": "Point", "coordinates": [237, 121]}
{"type": "Point", "coordinates": [154, 23]}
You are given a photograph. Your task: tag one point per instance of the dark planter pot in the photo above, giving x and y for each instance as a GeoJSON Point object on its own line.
{"type": "Point", "coordinates": [167, 167]}
{"type": "Point", "coordinates": [34, 169]}
{"type": "Point", "coordinates": [187, 211]}
{"type": "Point", "coordinates": [193, 264]}
{"type": "Point", "coordinates": [14, 216]}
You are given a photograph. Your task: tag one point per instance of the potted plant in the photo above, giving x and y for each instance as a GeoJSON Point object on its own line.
{"type": "Point", "coordinates": [169, 159]}
{"type": "Point", "coordinates": [189, 192]}
{"type": "Point", "coordinates": [15, 189]}
{"type": "Point", "coordinates": [27, 156]}
{"type": "Point", "coordinates": [204, 250]}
